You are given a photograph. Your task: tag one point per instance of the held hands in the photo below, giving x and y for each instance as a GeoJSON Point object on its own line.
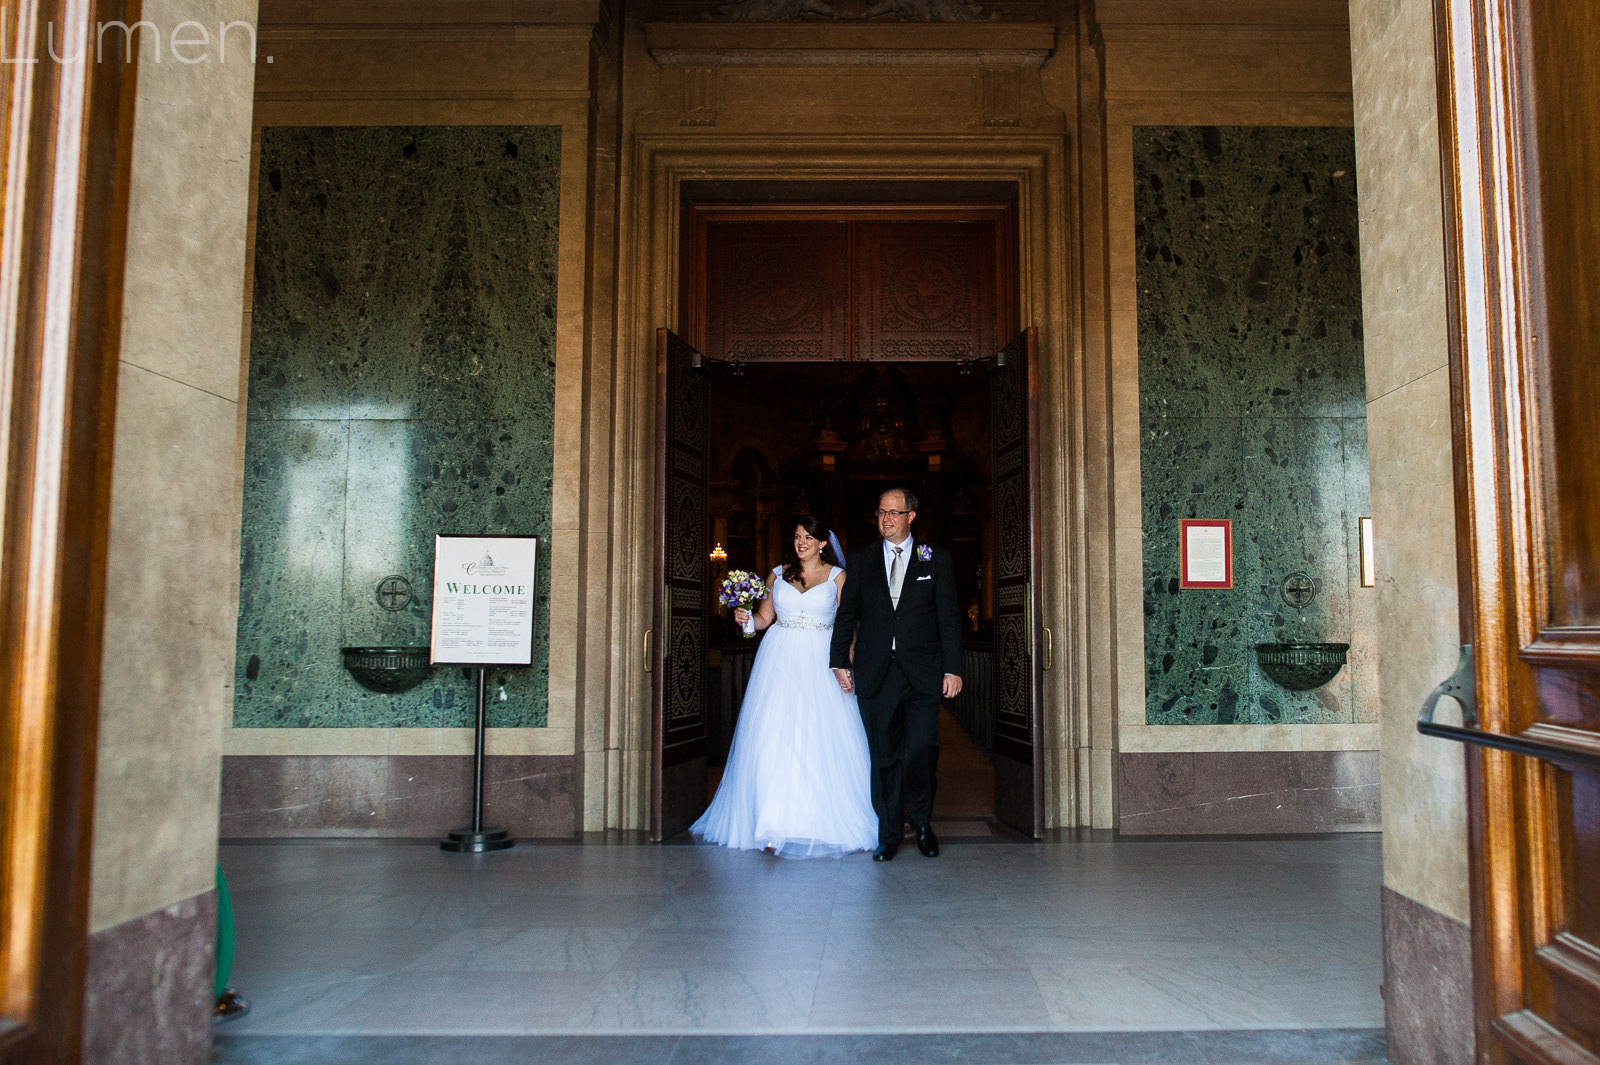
{"type": "Point", "coordinates": [952, 683]}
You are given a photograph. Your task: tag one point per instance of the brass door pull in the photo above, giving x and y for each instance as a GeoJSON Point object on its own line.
{"type": "Point", "coordinates": [648, 665]}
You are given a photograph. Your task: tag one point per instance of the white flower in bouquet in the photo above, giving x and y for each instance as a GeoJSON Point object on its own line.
{"type": "Point", "coordinates": [741, 588]}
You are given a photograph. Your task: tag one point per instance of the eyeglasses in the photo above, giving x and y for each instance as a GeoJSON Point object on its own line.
{"type": "Point", "coordinates": [893, 513]}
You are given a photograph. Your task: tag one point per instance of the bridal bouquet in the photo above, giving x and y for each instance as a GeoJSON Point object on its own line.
{"type": "Point", "coordinates": [741, 588]}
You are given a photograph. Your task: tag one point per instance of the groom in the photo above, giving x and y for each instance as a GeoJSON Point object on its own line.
{"type": "Point", "coordinates": [902, 595]}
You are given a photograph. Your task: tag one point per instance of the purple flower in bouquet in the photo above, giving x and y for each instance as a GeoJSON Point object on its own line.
{"type": "Point", "coordinates": [924, 552]}
{"type": "Point", "coordinates": [740, 589]}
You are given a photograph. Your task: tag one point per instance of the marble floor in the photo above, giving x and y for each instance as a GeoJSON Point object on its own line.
{"type": "Point", "coordinates": [678, 952]}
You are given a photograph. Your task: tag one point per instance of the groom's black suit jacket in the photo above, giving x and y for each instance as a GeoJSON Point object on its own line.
{"type": "Point", "coordinates": [925, 631]}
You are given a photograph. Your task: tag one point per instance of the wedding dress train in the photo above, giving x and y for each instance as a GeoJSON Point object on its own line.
{"type": "Point", "coordinates": [798, 774]}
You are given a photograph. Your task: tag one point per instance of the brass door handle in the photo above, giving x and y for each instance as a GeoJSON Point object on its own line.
{"type": "Point", "coordinates": [648, 665]}
{"type": "Point", "coordinates": [1049, 647]}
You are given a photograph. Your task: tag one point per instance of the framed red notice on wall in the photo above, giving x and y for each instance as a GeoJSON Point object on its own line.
{"type": "Point", "coordinates": [1205, 553]}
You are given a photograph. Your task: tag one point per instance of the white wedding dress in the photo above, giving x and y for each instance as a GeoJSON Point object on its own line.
{"type": "Point", "coordinates": [798, 771]}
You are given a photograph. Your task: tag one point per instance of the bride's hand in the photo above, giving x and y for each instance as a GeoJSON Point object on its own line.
{"type": "Point", "coordinates": [741, 615]}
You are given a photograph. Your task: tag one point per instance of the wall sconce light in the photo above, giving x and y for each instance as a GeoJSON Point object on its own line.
{"type": "Point", "coordinates": [718, 554]}
{"type": "Point", "coordinates": [1369, 554]}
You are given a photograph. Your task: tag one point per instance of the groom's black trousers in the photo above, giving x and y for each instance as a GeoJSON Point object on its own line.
{"type": "Point", "coordinates": [903, 737]}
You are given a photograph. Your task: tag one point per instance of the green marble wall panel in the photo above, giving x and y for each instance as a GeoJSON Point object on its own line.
{"type": "Point", "coordinates": [1252, 407]}
{"type": "Point", "coordinates": [401, 384]}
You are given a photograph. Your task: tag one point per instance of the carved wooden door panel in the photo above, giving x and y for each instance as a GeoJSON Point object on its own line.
{"type": "Point", "coordinates": [1018, 773]}
{"type": "Point", "coordinates": [678, 650]}
{"type": "Point", "coordinates": [859, 283]}
{"type": "Point", "coordinates": [778, 291]}
{"type": "Point", "coordinates": [1521, 96]}
{"type": "Point", "coordinates": [924, 291]}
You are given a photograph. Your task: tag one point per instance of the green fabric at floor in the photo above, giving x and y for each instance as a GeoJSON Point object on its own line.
{"type": "Point", "coordinates": [224, 933]}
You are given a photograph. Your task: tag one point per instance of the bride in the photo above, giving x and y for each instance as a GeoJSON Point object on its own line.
{"type": "Point", "coordinates": [797, 782]}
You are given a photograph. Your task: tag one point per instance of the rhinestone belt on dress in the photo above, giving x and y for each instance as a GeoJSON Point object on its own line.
{"type": "Point", "coordinates": [800, 621]}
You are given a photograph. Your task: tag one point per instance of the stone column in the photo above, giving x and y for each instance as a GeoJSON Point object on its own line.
{"type": "Point", "coordinates": [1426, 943]}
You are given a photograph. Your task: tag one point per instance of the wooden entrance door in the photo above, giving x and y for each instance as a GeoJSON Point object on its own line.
{"type": "Point", "coordinates": [678, 641]}
{"type": "Point", "coordinates": [1014, 444]}
{"type": "Point", "coordinates": [64, 161]}
{"type": "Point", "coordinates": [1521, 99]}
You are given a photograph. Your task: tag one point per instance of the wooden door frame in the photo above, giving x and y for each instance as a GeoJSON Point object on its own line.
{"type": "Point", "coordinates": [62, 252]}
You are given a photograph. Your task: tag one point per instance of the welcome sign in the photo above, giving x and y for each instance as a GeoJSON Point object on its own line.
{"type": "Point", "coordinates": [483, 600]}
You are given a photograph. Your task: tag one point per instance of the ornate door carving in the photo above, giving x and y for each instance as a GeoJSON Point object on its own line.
{"type": "Point", "coordinates": [778, 291]}
{"type": "Point", "coordinates": [678, 650]}
{"type": "Point", "coordinates": [1018, 773]}
{"type": "Point", "coordinates": [868, 284]}
{"type": "Point", "coordinates": [924, 291]}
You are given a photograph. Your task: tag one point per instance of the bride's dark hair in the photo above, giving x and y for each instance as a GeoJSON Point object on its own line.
{"type": "Point", "coordinates": [817, 529]}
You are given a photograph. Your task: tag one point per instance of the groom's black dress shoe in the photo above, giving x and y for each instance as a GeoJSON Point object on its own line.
{"type": "Point", "coordinates": [927, 842]}
{"type": "Point", "coordinates": [885, 852]}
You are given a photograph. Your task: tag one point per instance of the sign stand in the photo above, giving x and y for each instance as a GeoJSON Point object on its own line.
{"type": "Point", "coordinates": [477, 839]}
{"type": "Point", "coordinates": [483, 615]}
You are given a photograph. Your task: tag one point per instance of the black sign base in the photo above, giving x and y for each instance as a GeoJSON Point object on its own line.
{"type": "Point", "coordinates": [467, 841]}
{"type": "Point", "coordinates": [476, 838]}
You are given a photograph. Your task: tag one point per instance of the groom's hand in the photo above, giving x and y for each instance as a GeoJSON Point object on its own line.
{"type": "Point", "coordinates": [952, 685]}
{"type": "Point", "coordinates": [846, 684]}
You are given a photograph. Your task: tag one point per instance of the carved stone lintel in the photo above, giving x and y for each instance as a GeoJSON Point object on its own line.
{"type": "Point", "coordinates": [891, 10]}
{"type": "Point", "coordinates": [850, 42]}
{"type": "Point", "coordinates": [699, 97]}
{"type": "Point", "coordinates": [1002, 96]}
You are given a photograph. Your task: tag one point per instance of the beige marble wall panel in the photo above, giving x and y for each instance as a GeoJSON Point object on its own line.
{"type": "Point", "coordinates": [566, 591]}
{"type": "Point", "coordinates": [496, 62]}
{"type": "Point", "coordinates": [1122, 270]}
{"type": "Point", "coordinates": [1156, 108]}
{"type": "Point", "coordinates": [1315, 63]}
{"type": "Point", "coordinates": [1125, 419]}
{"type": "Point", "coordinates": [1402, 223]}
{"type": "Point", "coordinates": [569, 474]}
{"type": "Point", "coordinates": [1228, 12]}
{"type": "Point", "coordinates": [1138, 737]}
{"type": "Point", "coordinates": [169, 327]}
{"type": "Point", "coordinates": [1408, 429]}
{"type": "Point", "coordinates": [1130, 632]}
{"type": "Point", "coordinates": [598, 668]}
{"type": "Point", "coordinates": [807, 100]}
{"type": "Point", "coordinates": [1098, 726]}
{"type": "Point", "coordinates": [1103, 793]}
{"type": "Point", "coordinates": [1424, 783]}
{"type": "Point", "coordinates": [1226, 60]}
{"type": "Point", "coordinates": [352, 12]}
{"type": "Point", "coordinates": [442, 110]}
{"type": "Point", "coordinates": [593, 793]}
{"type": "Point", "coordinates": [806, 42]}
{"type": "Point", "coordinates": [1194, 60]}
{"type": "Point", "coordinates": [172, 565]}
{"type": "Point", "coordinates": [171, 602]}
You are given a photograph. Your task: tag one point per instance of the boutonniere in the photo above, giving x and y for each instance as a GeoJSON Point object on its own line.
{"type": "Point", "coordinates": [924, 552]}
